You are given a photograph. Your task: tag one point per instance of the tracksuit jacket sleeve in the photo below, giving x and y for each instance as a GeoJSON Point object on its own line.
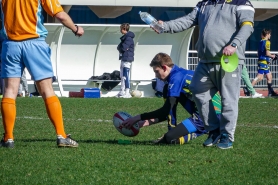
{"type": "Point", "coordinates": [245, 17]}
{"type": "Point", "coordinates": [182, 23]}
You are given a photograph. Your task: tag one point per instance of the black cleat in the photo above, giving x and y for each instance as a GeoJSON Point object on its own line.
{"type": "Point", "coordinates": [66, 142]}
{"type": "Point", "coordinates": [160, 140]}
{"type": "Point", "coordinates": [273, 94]}
{"type": "Point", "coordinates": [8, 144]}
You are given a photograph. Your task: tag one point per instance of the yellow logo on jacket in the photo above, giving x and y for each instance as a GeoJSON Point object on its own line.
{"type": "Point", "coordinates": [228, 1]}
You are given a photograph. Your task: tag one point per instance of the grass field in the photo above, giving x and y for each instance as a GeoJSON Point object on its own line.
{"type": "Point", "coordinates": [99, 159]}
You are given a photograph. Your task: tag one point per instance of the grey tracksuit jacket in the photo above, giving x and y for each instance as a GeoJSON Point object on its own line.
{"type": "Point", "coordinates": [221, 23]}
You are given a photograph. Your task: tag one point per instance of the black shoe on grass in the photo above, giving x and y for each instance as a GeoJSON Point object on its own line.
{"type": "Point", "coordinates": [213, 138]}
{"type": "Point", "coordinates": [160, 140]}
{"type": "Point", "coordinates": [66, 142]}
{"type": "Point", "coordinates": [8, 144]}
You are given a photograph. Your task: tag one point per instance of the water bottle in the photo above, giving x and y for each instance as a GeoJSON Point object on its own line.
{"type": "Point", "coordinates": [150, 20]}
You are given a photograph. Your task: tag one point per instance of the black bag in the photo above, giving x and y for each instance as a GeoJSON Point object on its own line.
{"type": "Point", "coordinates": [108, 86]}
{"type": "Point", "coordinates": [115, 75]}
{"type": "Point", "coordinates": [105, 76]}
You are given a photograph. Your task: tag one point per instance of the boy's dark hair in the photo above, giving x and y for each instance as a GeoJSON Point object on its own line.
{"type": "Point", "coordinates": [161, 59]}
{"type": "Point", "coordinates": [125, 26]}
{"type": "Point", "coordinates": [265, 32]}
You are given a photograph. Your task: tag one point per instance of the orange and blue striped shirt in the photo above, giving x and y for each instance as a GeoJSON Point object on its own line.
{"type": "Point", "coordinates": [23, 19]}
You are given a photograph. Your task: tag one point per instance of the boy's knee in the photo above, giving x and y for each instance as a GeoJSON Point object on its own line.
{"type": "Point", "coordinates": [258, 79]}
{"type": "Point", "coordinates": [169, 137]}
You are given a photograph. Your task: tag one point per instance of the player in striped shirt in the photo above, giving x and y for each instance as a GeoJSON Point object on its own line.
{"type": "Point", "coordinates": [25, 46]}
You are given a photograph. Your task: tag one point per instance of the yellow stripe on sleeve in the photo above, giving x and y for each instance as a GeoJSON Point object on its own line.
{"type": "Point", "coordinates": [247, 23]}
{"type": "Point", "coordinates": [188, 81]}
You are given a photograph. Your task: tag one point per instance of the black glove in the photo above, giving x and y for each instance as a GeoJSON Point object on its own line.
{"type": "Point", "coordinates": [275, 58]}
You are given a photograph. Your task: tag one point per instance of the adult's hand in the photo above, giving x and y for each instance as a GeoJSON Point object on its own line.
{"type": "Point", "coordinates": [79, 31]}
{"type": "Point", "coordinates": [159, 22]}
{"type": "Point", "coordinates": [229, 50]}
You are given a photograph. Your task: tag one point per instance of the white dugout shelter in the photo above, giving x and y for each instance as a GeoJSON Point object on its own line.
{"type": "Point", "coordinates": [75, 59]}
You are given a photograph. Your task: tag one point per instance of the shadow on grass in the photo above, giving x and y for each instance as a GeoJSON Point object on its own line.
{"type": "Point", "coordinates": [109, 141]}
{"type": "Point", "coordinates": [36, 140]}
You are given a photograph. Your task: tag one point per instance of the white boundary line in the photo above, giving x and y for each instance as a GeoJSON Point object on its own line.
{"type": "Point", "coordinates": [110, 121]}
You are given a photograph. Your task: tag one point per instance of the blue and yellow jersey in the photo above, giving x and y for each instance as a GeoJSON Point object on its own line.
{"type": "Point", "coordinates": [23, 19]}
{"type": "Point", "coordinates": [179, 81]}
{"type": "Point", "coordinates": [264, 46]}
{"type": "Point", "coordinates": [178, 86]}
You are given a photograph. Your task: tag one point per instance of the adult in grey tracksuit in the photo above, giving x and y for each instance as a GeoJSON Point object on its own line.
{"type": "Point", "coordinates": [224, 26]}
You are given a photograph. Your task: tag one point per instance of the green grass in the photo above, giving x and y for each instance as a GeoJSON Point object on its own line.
{"type": "Point", "coordinates": [100, 160]}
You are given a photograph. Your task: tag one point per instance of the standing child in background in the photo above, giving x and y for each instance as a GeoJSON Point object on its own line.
{"type": "Point", "coordinates": [23, 86]}
{"type": "Point", "coordinates": [264, 57]}
{"type": "Point", "coordinates": [126, 55]}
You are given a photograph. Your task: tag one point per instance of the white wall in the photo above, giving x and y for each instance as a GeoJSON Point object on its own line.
{"type": "Point", "coordinates": [96, 52]}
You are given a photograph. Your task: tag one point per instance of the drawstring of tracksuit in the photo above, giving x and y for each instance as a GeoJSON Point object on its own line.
{"type": "Point", "coordinates": [223, 4]}
{"type": "Point", "coordinates": [216, 2]}
{"type": "Point", "coordinates": [204, 6]}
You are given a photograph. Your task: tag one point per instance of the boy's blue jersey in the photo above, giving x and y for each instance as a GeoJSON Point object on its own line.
{"type": "Point", "coordinates": [264, 46]}
{"type": "Point", "coordinates": [179, 81]}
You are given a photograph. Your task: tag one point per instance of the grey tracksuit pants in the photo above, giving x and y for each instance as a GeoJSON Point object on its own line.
{"type": "Point", "coordinates": [208, 79]}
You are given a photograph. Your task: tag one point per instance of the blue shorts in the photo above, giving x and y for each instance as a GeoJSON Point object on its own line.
{"type": "Point", "coordinates": [263, 71]}
{"type": "Point", "coordinates": [34, 54]}
{"type": "Point", "coordinates": [189, 125]}
{"type": "Point", "coordinates": [263, 68]}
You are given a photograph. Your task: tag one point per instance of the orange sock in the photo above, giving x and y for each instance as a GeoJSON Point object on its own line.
{"type": "Point", "coordinates": [54, 111]}
{"type": "Point", "coordinates": [8, 111]}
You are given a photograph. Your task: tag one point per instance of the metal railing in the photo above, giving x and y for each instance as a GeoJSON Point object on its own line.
{"type": "Point", "coordinates": [251, 64]}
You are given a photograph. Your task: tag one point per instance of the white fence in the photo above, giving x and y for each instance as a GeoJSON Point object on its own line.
{"type": "Point", "coordinates": [251, 64]}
